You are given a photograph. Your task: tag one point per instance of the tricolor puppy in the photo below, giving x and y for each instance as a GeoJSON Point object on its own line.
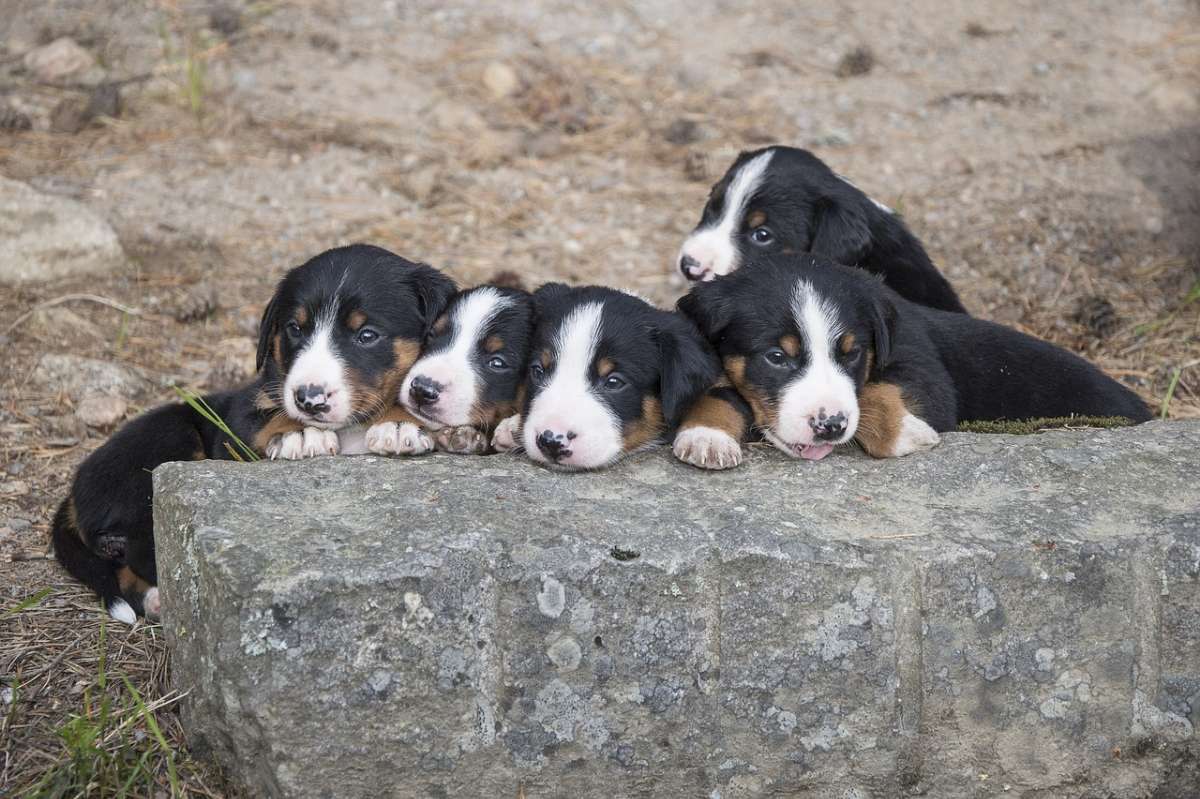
{"type": "Point", "coordinates": [471, 372]}
{"type": "Point", "coordinates": [786, 200]}
{"type": "Point", "coordinates": [824, 353]}
{"type": "Point", "coordinates": [609, 374]}
{"type": "Point", "coordinates": [335, 343]}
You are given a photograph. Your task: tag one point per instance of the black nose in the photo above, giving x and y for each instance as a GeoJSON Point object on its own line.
{"type": "Point", "coordinates": [828, 428]}
{"type": "Point", "coordinates": [311, 398]}
{"type": "Point", "coordinates": [689, 266]}
{"type": "Point", "coordinates": [553, 445]}
{"type": "Point", "coordinates": [424, 390]}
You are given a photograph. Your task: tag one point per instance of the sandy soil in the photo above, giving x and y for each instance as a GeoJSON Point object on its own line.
{"type": "Point", "coordinates": [1047, 153]}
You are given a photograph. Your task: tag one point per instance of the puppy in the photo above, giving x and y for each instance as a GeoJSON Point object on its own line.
{"type": "Point", "coordinates": [471, 372]}
{"type": "Point", "coordinates": [609, 374]}
{"type": "Point", "coordinates": [823, 353]}
{"type": "Point", "coordinates": [335, 343]}
{"type": "Point", "coordinates": [786, 200]}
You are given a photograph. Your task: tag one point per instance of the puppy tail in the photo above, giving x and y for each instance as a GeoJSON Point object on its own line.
{"type": "Point", "coordinates": [96, 572]}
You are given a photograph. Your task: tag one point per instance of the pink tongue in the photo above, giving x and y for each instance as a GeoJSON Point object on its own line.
{"type": "Point", "coordinates": [814, 452]}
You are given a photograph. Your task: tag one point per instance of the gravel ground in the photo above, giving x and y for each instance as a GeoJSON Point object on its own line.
{"type": "Point", "coordinates": [1047, 153]}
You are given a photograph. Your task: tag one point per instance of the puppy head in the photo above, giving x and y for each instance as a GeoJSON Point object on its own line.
{"type": "Point", "coordinates": [341, 332]}
{"type": "Point", "coordinates": [799, 338]}
{"type": "Point", "coordinates": [778, 200]}
{"type": "Point", "coordinates": [472, 368]}
{"type": "Point", "coordinates": [609, 374]}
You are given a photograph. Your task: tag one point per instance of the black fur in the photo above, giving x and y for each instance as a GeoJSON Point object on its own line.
{"type": "Point", "coordinates": [809, 208]}
{"type": "Point", "coordinates": [105, 522]}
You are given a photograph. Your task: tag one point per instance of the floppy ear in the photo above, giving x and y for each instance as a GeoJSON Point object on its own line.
{"type": "Point", "coordinates": [708, 308]}
{"type": "Point", "coordinates": [883, 326]}
{"type": "Point", "coordinates": [840, 231]}
{"type": "Point", "coordinates": [268, 326]}
{"type": "Point", "coordinates": [433, 291]}
{"type": "Point", "coordinates": [689, 367]}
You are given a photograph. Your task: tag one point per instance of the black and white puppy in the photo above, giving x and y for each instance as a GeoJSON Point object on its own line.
{"type": "Point", "coordinates": [786, 200]}
{"type": "Point", "coordinates": [609, 374]}
{"type": "Point", "coordinates": [335, 343]}
{"type": "Point", "coordinates": [471, 373]}
{"type": "Point", "coordinates": [823, 353]}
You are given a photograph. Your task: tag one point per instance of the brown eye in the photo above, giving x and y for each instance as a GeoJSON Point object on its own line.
{"type": "Point", "coordinates": [497, 364]}
{"type": "Point", "coordinates": [293, 329]}
{"type": "Point", "coordinates": [614, 382]}
{"type": "Point", "coordinates": [776, 357]}
{"type": "Point", "coordinates": [762, 236]}
{"type": "Point", "coordinates": [367, 336]}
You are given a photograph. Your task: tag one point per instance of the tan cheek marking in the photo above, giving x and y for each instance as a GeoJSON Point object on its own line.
{"type": "Point", "coordinates": [73, 521]}
{"type": "Point", "coordinates": [645, 429]}
{"type": "Point", "coordinates": [441, 325]}
{"type": "Point", "coordinates": [881, 409]}
{"type": "Point", "coordinates": [263, 401]}
{"type": "Point", "coordinates": [605, 366]}
{"type": "Point", "coordinates": [790, 345]}
{"type": "Point", "coordinates": [356, 320]}
{"type": "Point", "coordinates": [493, 344]}
{"type": "Point", "coordinates": [756, 219]}
{"type": "Point", "coordinates": [277, 350]}
{"type": "Point", "coordinates": [716, 413]}
{"type": "Point", "coordinates": [277, 425]}
{"type": "Point", "coordinates": [371, 400]}
{"type": "Point", "coordinates": [764, 414]}
{"type": "Point", "coordinates": [847, 343]}
{"type": "Point", "coordinates": [301, 316]}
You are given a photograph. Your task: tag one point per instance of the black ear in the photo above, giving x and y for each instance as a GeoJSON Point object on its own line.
{"type": "Point", "coordinates": [689, 367]}
{"type": "Point", "coordinates": [268, 326]}
{"type": "Point", "coordinates": [840, 231]}
{"type": "Point", "coordinates": [883, 326]}
{"type": "Point", "coordinates": [546, 294]}
{"type": "Point", "coordinates": [708, 307]}
{"type": "Point", "coordinates": [433, 291]}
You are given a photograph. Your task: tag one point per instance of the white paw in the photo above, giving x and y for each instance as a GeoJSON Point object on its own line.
{"type": "Point", "coordinates": [463, 440]}
{"type": "Point", "coordinates": [286, 447]}
{"type": "Point", "coordinates": [507, 435]}
{"type": "Point", "coordinates": [318, 443]}
{"type": "Point", "coordinates": [152, 604]}
{"type": "Point", "coordinates": [398, 438]}
{"type": "Point", "coordinates": [708, 448]}
{"type": "Point", "coordinates": [119, 609]}
{"type": "Point", "coordinates": [915, 436]}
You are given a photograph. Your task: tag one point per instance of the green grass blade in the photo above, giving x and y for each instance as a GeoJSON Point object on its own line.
{"type": "Point", "coordinates": [152, 723]}
{"type": "Point", "coordinates": [29, 601]}
{"type": "Point", "coordinates": [197, 403]}
{"type": "Point", "coordinates": [1166, 403]}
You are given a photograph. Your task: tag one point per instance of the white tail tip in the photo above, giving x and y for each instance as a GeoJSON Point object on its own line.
{"type": "Point", "coordinates": [120, 610]}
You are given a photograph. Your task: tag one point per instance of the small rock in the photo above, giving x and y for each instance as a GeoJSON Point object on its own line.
{"type": "Point", "coordinates": [234, 365]}
{"type": "Point", "coordinates": [71, 115]}
{"type": "Point", "coordinates": [13, 120]}
{"type": "Point", "coordinates": [323, 41]}
{"type": "Point", "coordinates": [105, 101]}
{"type": "Point", "coordinates": [56, 321]}
{"type": "Point", "coordinates": [196, 303]}
{"type": "Point", "coordinates": [14, 488]}
{"type": "Point", "coordinates": [15, 468]}
{"type": "Point", "coordinates": [44, 237]}
{"type": "Point", "coordinates": [80, 377]}
{"type": "Point", "coordinates": [501, 80]}
{"type": "Point", "coordinates": [695, 167]}
{"type": "Point", "coordinates": [59, 60]}
{"type": "Point", "coordinates": [451, 116]}
{"type": "Point", "coordinates": [682, 131]}
{"type": "Point", "coordinates": [858, 61]}
{"type": "Point", "coordinates": [493, 147]}
{"type": "Point", "coordinates": [225, 19]}
{"type": "Point", "coordinates": [19, 525]}
{"type": "Point", "coordinates": [1154, 225]}
{"type": "Point", "coordinates": [101, 411]}
{"type": "Point", "coordinates": [546, 144]}
{"type": "Point", "coordinates": [422, 185]}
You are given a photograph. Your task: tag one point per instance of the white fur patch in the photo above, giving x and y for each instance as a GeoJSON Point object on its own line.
{"type": "Point", "coordinates": [713, 247]}
{"type": "Point", "coordinates": [451, 368]}
{"type": "Point", "coordinates": [319, 364]}
{"type": "Point", "coordinates": [312, 442]}
{"type": "Point", "coordinates": [567, 405]}
{"type": "Point", "coordinates": [708, 448]}
{"type": "Point", "coordinates": [507, 435]}
{"type": "Point", "coordinates": [119, 609]}
{"type": "Point", "coordinates": [152, 603]}
{"type": "Point", "coordinates": [915, 436]}
{"type": "Point", "coordinates": [398, 438]}
{"type": "Point", "coordinates": [286, 447]}
{"type": "Point", "coordinates": [318, 443]}
{"type": "Point", "coordinates": [822, 387]}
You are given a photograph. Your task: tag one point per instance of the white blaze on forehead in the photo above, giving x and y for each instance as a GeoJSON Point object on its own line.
{"type": "Point", "coordinates": [567, 404]}
{"type": "Point", "coordinates": [451, 367]}
{"type": "Point", "coordinates": [713, 246]}
{"type": "Point", "coordinates": [823, 386]}
{"type": "Point", "coordinates": [320, 364]}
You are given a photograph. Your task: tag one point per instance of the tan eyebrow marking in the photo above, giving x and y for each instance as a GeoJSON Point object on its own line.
{"type": "Point", "coordinates": [790, 345]}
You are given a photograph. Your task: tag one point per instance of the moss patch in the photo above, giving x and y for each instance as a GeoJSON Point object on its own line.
{"type": "Point", "coordinates": [1026, 427]}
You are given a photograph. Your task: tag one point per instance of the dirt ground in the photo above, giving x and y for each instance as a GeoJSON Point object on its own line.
{"type": "Point", "coordinates": [1047, 153]}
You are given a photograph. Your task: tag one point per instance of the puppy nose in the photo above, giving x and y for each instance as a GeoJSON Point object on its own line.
{"type": "Point", "coordinates": [554, 445]}
{"type": "Point", "coordinates": [424, 390]}
{"type": "Point", "coordinates": [690, 267]}
{"type": "Point", "coordinates": [828, 428]}
{"type": "Point", "coordinates": [311, 398]}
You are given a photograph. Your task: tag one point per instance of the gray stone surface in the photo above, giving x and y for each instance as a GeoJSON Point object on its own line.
{"type": "Point", "coordinates": [1002, 616]}
{"type": "Point", "coordinates": [44, 237]}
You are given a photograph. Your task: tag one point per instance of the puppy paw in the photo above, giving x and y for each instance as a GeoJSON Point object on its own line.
{"type": "Point", "coordinates": [318, 443]}
{"type": "Point", "coordinates": [708, 448]}
{"type": "Point", "coordinates": [507, 435]}
{"type": "Point", "coordinates": [286, 447]}
{"type": "Point", "coordinates": [152, 604]}
{"type": "Point", "coordinates": [463, 440]}
{"type": "Point", "coordinates": [398, 438]}
{"type": "Point", "coordinates": [915, 436]}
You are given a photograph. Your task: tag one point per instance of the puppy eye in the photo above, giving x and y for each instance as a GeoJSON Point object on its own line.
{"type": "Point", "coordinates": [776, 357]}
{"type": "Point", "coordinates": [367, 336]}
{"type": "Point", "coordinates": [614, 382]}
{"type": "Point", "coordinates": [762, 236]}
{"type": "Point", "coordinates": [537, 373]}
{"type": "Point", "coordinates": [851, 355]}
{"type": "Point", "coordinates": [293, 329]}
{"type": "Point", "coordinates": [497, 363]}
